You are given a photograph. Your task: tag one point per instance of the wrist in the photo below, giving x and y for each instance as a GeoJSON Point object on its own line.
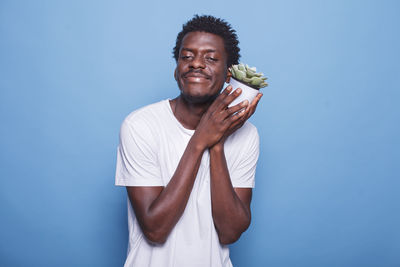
{"type": "Point", "coordinates": [218, 147]}
{"type": "Point", "coordinates": [197, 145]}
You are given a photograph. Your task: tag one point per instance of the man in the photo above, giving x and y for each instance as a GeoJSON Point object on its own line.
{"type": "Point", "coordinates": [189, 163]}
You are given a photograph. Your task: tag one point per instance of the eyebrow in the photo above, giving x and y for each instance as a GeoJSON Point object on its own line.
{"type": "Point", "coordinates": [191, 50]}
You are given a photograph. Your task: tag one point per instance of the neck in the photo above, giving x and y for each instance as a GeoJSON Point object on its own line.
{"type": "Point", "coordinates": [188, 114]}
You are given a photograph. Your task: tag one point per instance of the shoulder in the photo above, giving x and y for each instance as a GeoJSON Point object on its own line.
{"type": "Point", "coordinates": [145, 120]}
{"type": "Point", "coordinates": [242, 143]}
{"type": "Point", "coordinates": [247, 134]}
{"type": "Point", "coordinates": [249, 129]}
{"type": "Point", "coordinates": [147, 113]}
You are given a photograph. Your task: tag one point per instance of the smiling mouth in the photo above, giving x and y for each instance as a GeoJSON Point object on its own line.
{"type": "Point", "coordinates": [196, 76]}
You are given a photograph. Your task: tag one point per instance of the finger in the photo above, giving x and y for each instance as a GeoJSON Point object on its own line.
{"type": "Point", "coordinates": [241, 115]}
{"type": "Point", "coordinates": [221, 97]}
{"type": "Point", "coordinates": [224, 93]}
{"type": "Point", "coordinates": [255, 101]}
{"type": "Point", "coordinates": [232, 110]}
{"type": "Point", "coordinates": [237, 124]}
{"type": "Point", "coordinates": [237, 120]}
{"type": "Point", "coordinates": [227, 90]}
{"type": "Point", "coordinates": [228, 99]}
{"type": "Point", "coordinates": [250, 109]}
{"type": "Point", "coordinates": [257, 98]}
{"type": "Point", "coordinates": [254, 104]}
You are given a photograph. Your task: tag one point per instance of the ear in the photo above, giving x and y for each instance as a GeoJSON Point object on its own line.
{"type": "Point", "coordinates": [228, 76]}
{"type": "Point", "coordinates": [176, 79]}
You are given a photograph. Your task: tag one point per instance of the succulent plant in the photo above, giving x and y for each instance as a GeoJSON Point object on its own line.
{"type": "Point", "coordinates": [248, 76]}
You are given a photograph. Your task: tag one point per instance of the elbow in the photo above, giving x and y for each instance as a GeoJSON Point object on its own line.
{"type": "Point", "coordinates": [232, 235]}
{"type": "Point", "coordinates": [228, 239]}
{"type": "Point", "coordinates": [153, 231]}
{"type": "Point", "coordinates": [155, 234]}
{"type": "Point", "coordinates": [155, 237]}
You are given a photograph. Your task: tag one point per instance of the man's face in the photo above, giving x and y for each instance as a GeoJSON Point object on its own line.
{"type": "Point", "coordinates": [201, 68]}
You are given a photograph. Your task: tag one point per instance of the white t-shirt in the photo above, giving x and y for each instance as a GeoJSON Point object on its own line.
{"type": "Point", "coordinates": [152, 142]}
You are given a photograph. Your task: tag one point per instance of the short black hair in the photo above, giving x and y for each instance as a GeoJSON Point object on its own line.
{"type": "Point", "coordinates": [215, 26]}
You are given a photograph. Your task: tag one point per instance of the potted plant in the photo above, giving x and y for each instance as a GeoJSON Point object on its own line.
{"type": "Point", "coordinates": [248, 80]}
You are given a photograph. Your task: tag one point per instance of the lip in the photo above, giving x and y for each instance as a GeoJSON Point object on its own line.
{"type": "Point", "coordinates": [196, 79]}
{"type": "Point", "coordinates": [196, 75]}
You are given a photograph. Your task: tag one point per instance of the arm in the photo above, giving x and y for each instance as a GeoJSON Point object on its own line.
{"type": "Point", "coordinates": [159, 208]}
{"type": "Point", "coordinates": [230, 206]}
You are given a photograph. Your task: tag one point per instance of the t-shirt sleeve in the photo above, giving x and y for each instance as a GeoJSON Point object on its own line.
{"type": "Point", "coordinates": [137, 163]}
{"type": "Point", "coordinates": [243, 174]}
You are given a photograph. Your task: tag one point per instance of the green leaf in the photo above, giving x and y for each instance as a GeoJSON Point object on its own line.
{"type": "Point", "coordinates": [256, 81]}
{"type": "Point", "coordinates": [250, 73]}
{"type": "Point", "coordinates": [240, 74]}
{"type": "Point", "coordinates": [246, 80]}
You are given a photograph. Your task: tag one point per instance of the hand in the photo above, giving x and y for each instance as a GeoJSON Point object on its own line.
{"type": "Point", "coordinates": [248, 112]}
{"type": "Point", "coordinates": [219, 119]}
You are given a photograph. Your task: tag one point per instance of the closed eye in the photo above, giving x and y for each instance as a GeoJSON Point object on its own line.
{"type": "Point", "coordinates": [186, 57]}
{"type": "Point", "coordinates": [212, 58]}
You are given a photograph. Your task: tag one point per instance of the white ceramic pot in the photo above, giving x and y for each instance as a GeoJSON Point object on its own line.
{"type": "Point", "coordinates": [247, 92]}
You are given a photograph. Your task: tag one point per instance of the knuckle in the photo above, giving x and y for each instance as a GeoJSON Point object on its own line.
{"type": "Point", "coordinates": [230, 111]}
{"type": "Point", "coordinates": [226, 101]}
{"type": "Point", "coordinates": [233, 119]}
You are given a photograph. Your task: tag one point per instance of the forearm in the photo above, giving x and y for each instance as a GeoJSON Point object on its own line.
{"type": "Point", "coordinates": [230, 214]}
{"type": "Point", "coordinates": [166, 209]}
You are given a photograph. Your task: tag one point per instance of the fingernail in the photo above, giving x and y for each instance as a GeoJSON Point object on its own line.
{"type": "Point", "coordinates": [238, 90]}
{"type": "Point", "coordinates": [245, 103]}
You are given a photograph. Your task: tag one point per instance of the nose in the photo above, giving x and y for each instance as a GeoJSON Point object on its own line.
{"type": "Point", "coordinates": [197, 63]}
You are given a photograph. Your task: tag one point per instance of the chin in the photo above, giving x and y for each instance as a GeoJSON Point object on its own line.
{"type": "Point", "coordinates": [199, 99]}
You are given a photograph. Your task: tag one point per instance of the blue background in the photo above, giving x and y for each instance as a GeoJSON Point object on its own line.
{"type": "Point", "coordinates": [327, 188]}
